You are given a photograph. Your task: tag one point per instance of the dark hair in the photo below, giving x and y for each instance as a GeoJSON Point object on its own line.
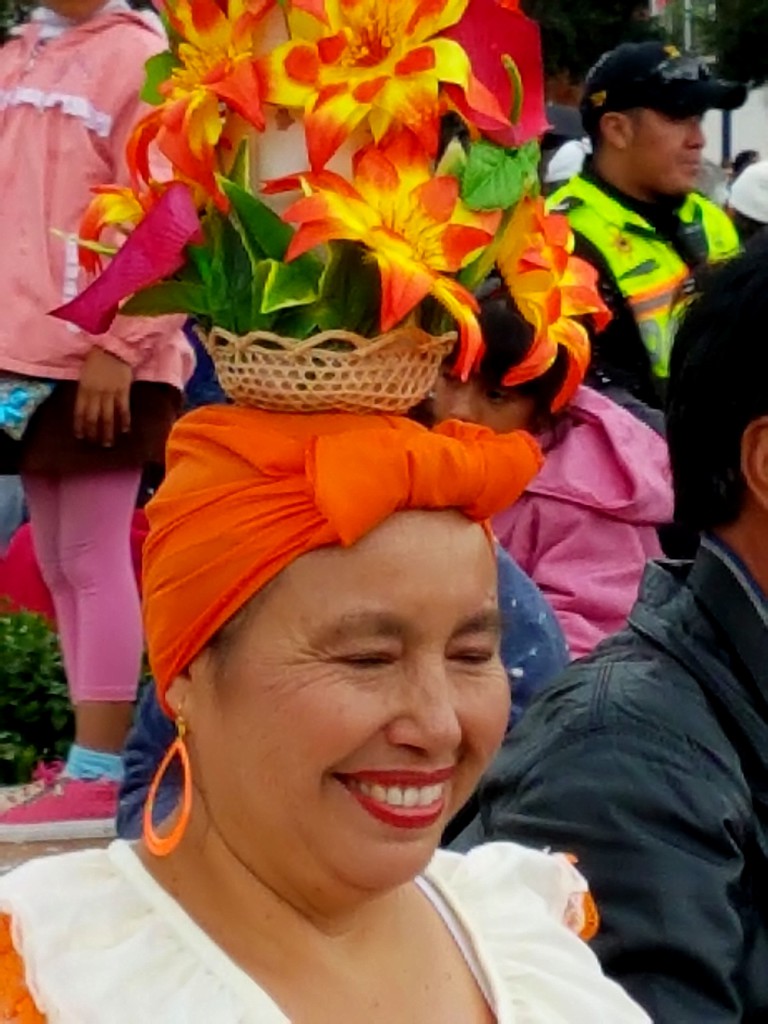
{"type": "Point", "coordinates": [717, 387]}
{"type": "Point", "coordinates": [508, 339]}
{"type": "Point", "coordinates": [743, 160]}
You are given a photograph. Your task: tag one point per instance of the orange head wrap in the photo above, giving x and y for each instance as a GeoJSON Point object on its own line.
{"type": "Point", "coordinates": [247, 492]}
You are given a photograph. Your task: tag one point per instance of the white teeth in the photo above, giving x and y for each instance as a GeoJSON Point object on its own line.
{"type": "Point", "coordinates": [430, 795]}
{"type": "Point", "coordinates": [399, 796]}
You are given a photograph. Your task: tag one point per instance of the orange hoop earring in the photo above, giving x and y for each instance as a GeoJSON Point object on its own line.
{"type": "Point", "coordinates": [161, 846]}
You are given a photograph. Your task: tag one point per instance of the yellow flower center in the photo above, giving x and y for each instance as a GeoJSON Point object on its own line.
{"type": "Point", "coordinates": [370, 34]}
{"type": "Point", "coordinates": [417, 230]}
{"type": "Point", "coordinates": [200, 67]}
{"type": "Point", "coordinates": [369, 49]}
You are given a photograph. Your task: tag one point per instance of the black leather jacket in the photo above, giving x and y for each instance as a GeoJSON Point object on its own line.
{"type": "Point", "coordinates": [649, 761]}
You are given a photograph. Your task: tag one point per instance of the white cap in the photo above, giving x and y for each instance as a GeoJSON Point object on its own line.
{"type": "Point", "coordinates": [568, 161]}
{"type": "Point", "coordinates": [749, 193]}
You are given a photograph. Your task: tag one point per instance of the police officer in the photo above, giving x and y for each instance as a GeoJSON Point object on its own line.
{"type": "Point", "coordinates": [634, 212]}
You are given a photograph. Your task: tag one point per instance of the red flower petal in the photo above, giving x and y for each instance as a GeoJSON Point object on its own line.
{"type": "Point", "coordinates": [309, 236]}
{"type": "Point", "coordinates": [574, 339]}
{"type": "Point", "coordinates": [174, 146]}
{"type": "Point", "coordinates": [332, 47]}
{"type": "Point", "coordinates": [302, 64]}
{"type": "Point", "coordinates": [306, 210]}
{"type": "Point", "coordinates": [541, 356]}
{"type": "Point", "coordinates": [329, 124]}
{"type": "Point", "coordinates": [243, 90]}
{"type": "Point", "coordinates": [366, 92]}
{"type": "Point", "coordinates": [489, 31]}
{"type": "Point", "coordinates": [137, 152]}
{"type": "Point", "coordinates": [206, 15]}
{"type": "Point", "coordinates": [373, 168]}
{"type": "Point", "coordinates": [401, 291]}
{"type": "Point", "coordinates": [426, 9]}
{"type": "Point", "coordinates": [316, 179]}
{"type": "Point", "coordinates": [439, 196]}
{"type": "Point", "coordinates": [459, 241]}
{"type": "Point", "coordinates": [314, 7]}
{"type": "Point", "coordinates": [422, 59]}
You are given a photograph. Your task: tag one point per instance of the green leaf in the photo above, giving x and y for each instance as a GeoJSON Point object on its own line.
{"type": "Point", "coordinates": [35, 712]}
{"type": "Point", "coordinates": [350, 290]}
{"type": "Point", "coordinates": [234, 274]}
{"type": "Point", "coordinates": [158, 70]}
{"type": "Point", "coordinates": [290, 284]}
{"type": "Point", "coordinates": [300, 321]}
{"type": "Point", "coordinates": [168, 297]}
{"type": "Point", "coordinates": [262, 231]}
{"type": "Point", "coordinates": [240, 172]}
{"type": "Point", "coordinates": [259, 320]}
{"type": "Point", "coordinates": [216, 283]}
{"type": "Point", "coordinates": [198, 267]}
{"type": "Point", "coordinates": [496, 178]}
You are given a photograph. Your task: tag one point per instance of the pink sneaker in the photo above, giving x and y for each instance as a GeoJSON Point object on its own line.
{"type": "Point", "coordinates": [70, 809]}
{"type": "Point", "coordinates": [43, 777]}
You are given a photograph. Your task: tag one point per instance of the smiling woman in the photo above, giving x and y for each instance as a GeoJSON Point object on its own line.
{"type": "Point", "coordinates": [322, 621]}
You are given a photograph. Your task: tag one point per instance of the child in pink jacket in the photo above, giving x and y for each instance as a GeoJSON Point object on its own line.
{"type": "Point", "coordinates": [79, 416]}
{"type": "Point", "coordinates": [588, 523]}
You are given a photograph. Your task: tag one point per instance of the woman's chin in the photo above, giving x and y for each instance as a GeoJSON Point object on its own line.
{"type": "Point", "coordinates": [387, 846]}
{"type": "Point", "coordinates": [379, 867]}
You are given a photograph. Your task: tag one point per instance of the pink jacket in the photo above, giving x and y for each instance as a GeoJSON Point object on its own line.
{"type": "Point", "coordinates": [67, 107]}
{"type": "Point", "coordinates": [587, 524]}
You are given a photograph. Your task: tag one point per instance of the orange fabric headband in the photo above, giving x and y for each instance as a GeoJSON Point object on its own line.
{"type": "Point", "coordinates": [247, 492]}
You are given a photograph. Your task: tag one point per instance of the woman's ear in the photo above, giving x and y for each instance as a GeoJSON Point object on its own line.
{"type": "Point", "coordinates": [178, 695]}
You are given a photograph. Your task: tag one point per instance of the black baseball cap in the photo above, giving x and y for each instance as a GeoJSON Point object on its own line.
{"type": "Point", "coordinates": [657, 77]}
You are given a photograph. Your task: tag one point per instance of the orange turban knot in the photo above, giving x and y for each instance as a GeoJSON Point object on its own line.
{"type": "Point", "coordinates": [247, 492]}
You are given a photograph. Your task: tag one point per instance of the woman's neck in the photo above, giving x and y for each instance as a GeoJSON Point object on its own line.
{"type": "Point", "coordinates": [217, 887]}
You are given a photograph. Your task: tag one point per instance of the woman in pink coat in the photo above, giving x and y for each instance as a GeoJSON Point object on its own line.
{"type": "Point", "coordinates": [79, 416]}
{"type": "Point", "coordinates": [587, 524]}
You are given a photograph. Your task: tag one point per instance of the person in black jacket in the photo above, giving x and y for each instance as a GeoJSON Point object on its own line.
{"type": "Point", "coordinates": [648, 760]}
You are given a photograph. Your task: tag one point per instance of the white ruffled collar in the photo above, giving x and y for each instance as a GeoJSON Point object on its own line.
{"type": "Point", "coordinates": [96, 931]}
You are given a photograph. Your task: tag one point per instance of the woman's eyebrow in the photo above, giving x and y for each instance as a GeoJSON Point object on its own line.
{"type": "Point", "coordinates": [356, 624]}
{"type": "Point", "coordinates": [487, 621]}
{"type": "Point", "coordinates": [391, 626]}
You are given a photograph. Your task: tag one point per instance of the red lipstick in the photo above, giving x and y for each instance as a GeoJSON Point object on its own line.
{"type": "Point", "coordinates": [370, 789]}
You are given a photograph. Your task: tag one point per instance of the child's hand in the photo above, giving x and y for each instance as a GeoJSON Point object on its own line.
{"type": "Point", "coordinates": [103, 402]}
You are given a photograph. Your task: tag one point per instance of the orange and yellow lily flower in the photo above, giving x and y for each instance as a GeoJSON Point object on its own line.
{"type": "Point", "coordinates": [218, 74]}
{"type": "Point", "coordinates": [117, 207]}
{"type": "Point", "coordinates": [355, 61]}
{"type": "Point", "coordinates": [414, 225]}
{"type": "Point", "coordinates": [550, 287]}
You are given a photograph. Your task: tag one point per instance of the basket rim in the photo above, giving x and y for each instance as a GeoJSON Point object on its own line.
{"type": "Point", "coordinates": [362, 346]}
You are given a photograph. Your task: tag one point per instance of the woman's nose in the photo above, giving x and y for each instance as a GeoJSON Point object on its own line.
{"type": "Point", "coordinates": [429, 719]}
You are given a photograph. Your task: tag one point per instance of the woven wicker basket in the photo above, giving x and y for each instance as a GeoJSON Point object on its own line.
{"type": "Point", "coordinates": [336, 370]}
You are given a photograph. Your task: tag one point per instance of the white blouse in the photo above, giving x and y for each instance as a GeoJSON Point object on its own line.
{"type": "Point", "coordinates": [103, 943]}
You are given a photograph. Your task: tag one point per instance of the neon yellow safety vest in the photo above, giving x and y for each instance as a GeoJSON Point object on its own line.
{"type": "Point", "coordinates": [646, 267]}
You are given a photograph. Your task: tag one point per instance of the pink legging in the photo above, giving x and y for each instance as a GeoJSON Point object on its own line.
{"type": "Point", "coordinates": [81, 529]}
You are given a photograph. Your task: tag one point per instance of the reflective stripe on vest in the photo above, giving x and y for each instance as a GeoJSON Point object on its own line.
{"type": "Point", "coordinates": [645, 266]}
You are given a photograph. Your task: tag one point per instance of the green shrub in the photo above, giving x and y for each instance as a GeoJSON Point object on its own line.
{"type": "Point", "coordinates": [35, 715]}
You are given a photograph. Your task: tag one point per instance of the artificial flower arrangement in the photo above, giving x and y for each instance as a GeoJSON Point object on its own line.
{"type": "Point", "coordinates": [309, 216]}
